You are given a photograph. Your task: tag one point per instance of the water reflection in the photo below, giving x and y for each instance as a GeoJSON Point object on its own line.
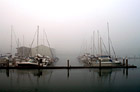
{"type": "Point", "coordinates": [110, 75]}
{"type": "Point", "coordinates": [22, 72]}
{"type": "Point", "coordinates": [70, 80]}
{"type": "Point", "coordinates": [68, 72]}
{"type": "Point", "coordinates": [108, 72]}
{"type": "Point", "coordinates": [7, 72]}
{"type": "Point", "coordinates": [62, 80]}
{"type": "Point", "coordinates": [102, 73]}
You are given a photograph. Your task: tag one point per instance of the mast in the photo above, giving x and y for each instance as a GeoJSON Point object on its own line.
{"type": "Point", "coordinates": [30, 52]}
{"type": "Point", "coordinates": [49, 44]}
{"type": "Point", "coordinates": [98, 42]}
{"type": "Point", "coordinates": [23, 40]}
{"type": "Point", "coordinates": [18, 47]}
{"type": "Point", "coordinates": [23, 47]}
{"type": "Point", "coordinates": [93, 42]}
{"type": "Point", "coordinates": [18, 43]}
{"type": "Point", "coordinates": [43, 37]}
{"type": "Point", "coordinates": [11, 38]}
{"type": "Point", "coordinates": [108, 38]}
{"type": "Point", "coordinates": [37, 37]}
{"type": "Point", "coordinates": [91, 45]}
{"type": "Point", "coordinates": [101, 45]}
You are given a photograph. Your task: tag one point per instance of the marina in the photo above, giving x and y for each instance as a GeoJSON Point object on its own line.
{"type": "Point", "coordinates": [90, 79]}
{"type": "Point", "coordinates": [69, 46]}
{"type": "Point", "coordinates": [43, 57]}
{"type": "Point", "coordinates": [27, 65]}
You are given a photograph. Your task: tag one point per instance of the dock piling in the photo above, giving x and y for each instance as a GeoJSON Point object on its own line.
{"type": "Point", "coordinates": [7, 63]}
{"type": "Point", "coordinates": [123, 62]}
{"type": "Point", "coordinates": [68, 63]}
{"type": "Point", "coordinates": [126, 62]}
{"type": "Point", "coordinates": [100, 63]}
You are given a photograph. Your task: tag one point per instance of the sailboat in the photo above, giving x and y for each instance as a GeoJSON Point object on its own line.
{"type": "Point", "coordinates": [100, 58]}
{"type": "Point", "coordinates": [38, 60]}
{"type": "Point", "coordinates": [34, 62]}
{"type": "Point", "coordinates": [106, 60]}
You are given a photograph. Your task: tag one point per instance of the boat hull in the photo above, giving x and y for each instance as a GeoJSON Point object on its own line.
{"type": "Point", "coordinates": [105, 64]}
{"type": "Point", "coordinates": [27, 65]}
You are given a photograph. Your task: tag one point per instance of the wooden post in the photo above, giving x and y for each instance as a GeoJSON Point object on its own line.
{"type": "Point", "coordinates": [68, 63]}
{"type": "Point", "coordinates": [100, 63]}
{"type": "Point", "coordinates": [126, 62]}
{"type": "Point", "coordinates": [123, 62]}
{"type": "Point", "coordinates": [7, 63]}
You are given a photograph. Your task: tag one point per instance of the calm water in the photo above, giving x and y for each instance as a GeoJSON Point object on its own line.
{"type": "Point", "coordinates": [73, 80]}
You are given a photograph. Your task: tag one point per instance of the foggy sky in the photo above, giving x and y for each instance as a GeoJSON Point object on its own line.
{"type": "Point", "coordinates": [69, 22]}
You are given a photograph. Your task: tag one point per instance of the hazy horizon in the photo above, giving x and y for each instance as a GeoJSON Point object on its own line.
{"type": "Point", "coordinates": [68, 23]}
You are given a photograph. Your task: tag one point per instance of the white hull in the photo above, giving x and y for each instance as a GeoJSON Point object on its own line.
{"type": "Point", "coordinates": [106, 64]}
{"type": "Point", "coordinates": [26, 64]}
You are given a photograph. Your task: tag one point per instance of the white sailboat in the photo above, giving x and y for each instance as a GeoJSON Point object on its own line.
{"type": "Point", "coordinates": [104, 59]}
{"type": "Point", "coordinates": [38, 60]}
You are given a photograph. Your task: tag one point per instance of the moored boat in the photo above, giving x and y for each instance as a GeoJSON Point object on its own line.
{"type": "Point", "coordinates": [105, 60]}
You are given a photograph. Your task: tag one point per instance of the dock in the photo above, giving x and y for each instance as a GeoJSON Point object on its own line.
{"type": "Point", "coordinates": [70, 67]}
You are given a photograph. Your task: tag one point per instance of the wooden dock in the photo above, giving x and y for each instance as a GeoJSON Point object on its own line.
{"type": "Point", "coordinates": [70, 67]}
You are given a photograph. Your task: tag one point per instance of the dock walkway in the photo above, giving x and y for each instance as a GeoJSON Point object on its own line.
{"type": "Point", "coordinates": [70, 67]}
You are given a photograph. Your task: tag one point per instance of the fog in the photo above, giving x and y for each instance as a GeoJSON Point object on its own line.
{"type": "Point", "coordinates": [68, 23]}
